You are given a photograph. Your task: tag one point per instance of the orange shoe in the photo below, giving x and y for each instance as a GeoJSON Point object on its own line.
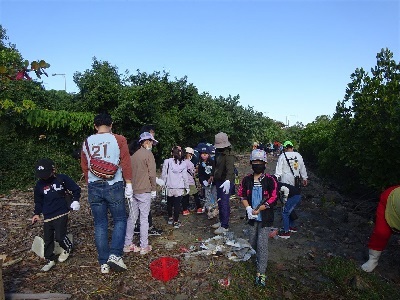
{"type": "Point", "coordinates": [186, 212]}
{"type": "Point", "coordinates": [200, 210]}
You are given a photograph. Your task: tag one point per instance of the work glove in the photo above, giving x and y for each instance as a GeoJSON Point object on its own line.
{"type": "Point", "coordinates": [160, 182]}
{"type": "Point", "coordinates": [250, 215]}
{"type": "Point", "coordinates": [128, 191]}
{"type": "Point", "coordinates": [75, 205]}
{"type": "Point", "coordinates": [205, 182]}
{"type": "Point", "coordinates": [226, 186]}
{"type": "Point", "coordinates": [153, 195]}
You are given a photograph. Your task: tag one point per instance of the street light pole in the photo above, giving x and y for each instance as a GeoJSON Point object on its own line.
{"type": "Point", "coordinates": [65, 80]}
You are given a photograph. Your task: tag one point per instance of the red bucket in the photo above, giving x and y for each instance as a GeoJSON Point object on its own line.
{"type": "Point", "coordinates": [164, 268]}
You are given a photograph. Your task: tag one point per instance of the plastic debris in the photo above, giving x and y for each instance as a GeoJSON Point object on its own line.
{"type": "Point", "coordinates": [235, 249]}
{"type": "Point", "coordinates": [225, 282]}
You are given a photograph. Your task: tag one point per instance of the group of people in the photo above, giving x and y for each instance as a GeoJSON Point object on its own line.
{"type": "Point", "coordinates": [135, 179]}
{"type": "Point", "coordinates": [114, 172]}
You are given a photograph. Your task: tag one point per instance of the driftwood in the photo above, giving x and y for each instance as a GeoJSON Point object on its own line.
{"type": "Point", "coordinates": [12, 262]}
{"type": "Point", "coordinates": [48, 296]}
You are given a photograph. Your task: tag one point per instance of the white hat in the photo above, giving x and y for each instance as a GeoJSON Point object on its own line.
{"type": "Point", "coordinates": [189, 150]}
{"type": "Point", "coordinates": [147, 136]}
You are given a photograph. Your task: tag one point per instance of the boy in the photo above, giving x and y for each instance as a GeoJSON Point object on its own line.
{"type": "Point", "coordinates": [49, 197]}
{"type": "Point", "coordinates": [258, 192]}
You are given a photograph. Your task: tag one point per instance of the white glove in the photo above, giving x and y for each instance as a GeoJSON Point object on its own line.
{"type": "Point", "coordinates": [153, 194]}
{"type": "Point", "coordinates": [128, 191]}
{"type": "Point", "coordinates": [75, 205]}
{"type": "Point", "coordinates": [226, 186]}
{"type": "Point", "coordinates": [249, 211]}
{"type": "Point", "coordinates": [205, 182]}
{"type": "Point", "coordinates": [284, 191]}
{"type": "Point", "coordinates": [187, 191]}
{"type": "Point", "coordinates": [160, 182]}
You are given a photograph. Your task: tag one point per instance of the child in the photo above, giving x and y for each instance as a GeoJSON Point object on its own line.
{"type": "Point", "coordinates": [258, 192]}
{"type": "Point", "coordinates": [224, 178]}
{"type": "Point", "coordinates": [206, 168]}
{"type": "Point", "coordinates": [189, 152]}
{"type": "Point", "coordinates": [174, 174]}
{"type": "Point", "coordinates": [49, 197]}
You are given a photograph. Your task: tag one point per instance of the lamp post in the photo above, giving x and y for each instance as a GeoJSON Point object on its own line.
{"type": "Point", "coordinates": [65, 80]}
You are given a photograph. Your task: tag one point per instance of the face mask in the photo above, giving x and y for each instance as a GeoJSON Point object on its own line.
{"type": "Point", "coordinates": [258, 168]}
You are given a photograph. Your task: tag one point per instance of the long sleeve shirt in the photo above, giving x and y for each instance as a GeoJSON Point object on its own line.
{"type": "Point", "coordinates": [49, 195]}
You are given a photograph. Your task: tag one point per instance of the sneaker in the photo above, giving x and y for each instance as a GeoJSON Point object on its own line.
{"type": "Point", "coordinates": [261, 280]}
{"type": "Point", "coordinates": [170, 221]}
{"type": "Point", "coordinates": [116, 263]}
{"type": "Point", "coordinates": [284, 235]}
{"type": "Point", "coordinates": [63, 255]}
{"type": "Point", "coordinates": [177, 224]}
{"type": "Point", "coordinates": [293, 229]}
{"type": "Point", "coordinates": [145, 250]}
{"type": "Point", "coordinates": [200, 210]}
{"type": "Point", "coordinates": [155, 231]}
{"type": "Point", "coordinates": [49, 265]}
{"type": "Point", "coordinates": [131, 248]}
{"type": "Point", "coordinates": [136, 230]}
{"type": "Point", "coordinates": [220, 230]}
{"type": "Point", "coordinates": [216, 225]}
{"type": "Point", "coordinates": [186, 212]}
{"type": "Point", "coordinates": [105, 269]}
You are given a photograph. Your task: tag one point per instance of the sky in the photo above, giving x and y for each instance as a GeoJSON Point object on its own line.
{"type": "Point", "coordinates": [289, 59]}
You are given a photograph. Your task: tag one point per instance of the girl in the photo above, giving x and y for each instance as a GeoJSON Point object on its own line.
{"type": "Point", "coordinates": [206, 168]}
{"type": "Point", "coordinates": [258, 192]}
{"type": "Point", "coordinates": [175, 176]}
{"type": "Point", "coordinates": [189, 152]}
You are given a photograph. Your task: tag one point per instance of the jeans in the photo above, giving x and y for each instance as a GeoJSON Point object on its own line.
{"type": "Point", "coordinates": [223, 205]}
{"type": "Point", "coordinates": [103, 197]}
{"type": "Point", "coordinates": [291, 203]}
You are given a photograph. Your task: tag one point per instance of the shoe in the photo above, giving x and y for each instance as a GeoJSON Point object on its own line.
{"type": "Point", "coordinates": [220, 230]}
{"type": "Point", "coordinates": [155, 231]}
{"type": "Point", "coordinates": [145, 250]}
{"type": "Point", "coordinates": [200, 210]}
{"type": "Point", "coordinates": [105, 269]}
{"type": "Point", "coordinates": [186, 212]}
{"type": "Point", "coordinates": [261, 280]}
{"type": "Point", "coordinates": [63, 256]}
{"type": "Point", "coordinates": [293, 229]}
{"type": "Point", "coordinates": [49, 265]}
{"type": "Point", "coordinates": [116, 263]}
{"type": "Point", "coordinates": [232, 197]}
{"type": "Point", "coordinates": [170, 221]}
{"type": "Point", "coordinates": [131, 248]}
{"type": "Point", "coordinates": [136, 230]}
{"type": "Point", "coordinates": [284, 235]}
{"type": "Point", "coordinates": [177, 224]}
{"type": "Point", "coordinates": [216, 225]}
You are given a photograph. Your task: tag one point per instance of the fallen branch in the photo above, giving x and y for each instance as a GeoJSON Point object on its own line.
{"type": "Point", "coordinates": [48, 296]}
{"type": "Point", "coordinates": [12, 262]}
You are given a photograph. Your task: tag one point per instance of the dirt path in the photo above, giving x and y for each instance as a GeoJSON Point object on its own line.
{"type": "Point", "coordinates": [326, 228]}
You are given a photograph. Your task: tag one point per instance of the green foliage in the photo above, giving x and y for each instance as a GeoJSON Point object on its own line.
{"type": "Point", "coordinates": [360, 141]}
